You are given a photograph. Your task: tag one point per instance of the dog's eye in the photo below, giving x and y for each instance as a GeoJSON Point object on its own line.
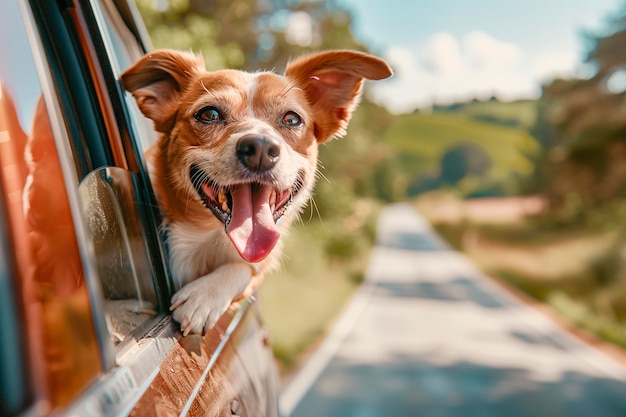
{"type": "Point", "coordinates": [291, 119]}
{"type": "Point", "coordinates": [208, 114]}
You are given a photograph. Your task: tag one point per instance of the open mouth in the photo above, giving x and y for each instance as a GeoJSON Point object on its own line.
{"type": "Point", "coordinates": [249, 211]}
{"type": "Point", "coordinates": [219, 199]}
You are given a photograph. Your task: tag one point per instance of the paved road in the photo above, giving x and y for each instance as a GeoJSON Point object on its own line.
{"type": "Point", "coordinates": [428, 335]}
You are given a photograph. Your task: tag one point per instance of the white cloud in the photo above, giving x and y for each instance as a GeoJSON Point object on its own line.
{"type": "Point", "coordinates": [442, 55]}
{"type": "Point", "coordinates": [549, 66]}
{"type": "Point", "coordinates": [484, 52]}
{"type": "Point", "coordinates": [446, 70]}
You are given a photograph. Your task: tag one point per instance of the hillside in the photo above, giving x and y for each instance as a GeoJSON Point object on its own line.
{"type": "Point", "coordinates": [499, 130]}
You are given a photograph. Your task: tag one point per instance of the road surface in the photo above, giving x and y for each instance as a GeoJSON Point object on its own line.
{"type": "Point", "coordinates": [428, 335]}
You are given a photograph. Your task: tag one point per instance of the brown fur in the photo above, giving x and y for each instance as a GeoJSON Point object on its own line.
{"type": "Point", "coordinates": [173, 89]}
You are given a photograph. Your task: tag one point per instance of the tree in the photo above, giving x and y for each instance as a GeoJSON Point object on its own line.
{"type": "Point", "coordinates": [462, 161]}
{"type": "Point", "coordinates": [248, 34]}
{"type": "Point", "coordinates": [581, 125]}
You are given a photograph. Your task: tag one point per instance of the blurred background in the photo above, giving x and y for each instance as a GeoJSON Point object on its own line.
{"type": "Point", "coordinates": [505, 125]}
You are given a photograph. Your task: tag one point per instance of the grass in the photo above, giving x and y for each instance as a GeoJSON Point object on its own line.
{"type": "Point", "coordinates": [583, 316]}
{"type": "Point", "coordinates": [301, 300]}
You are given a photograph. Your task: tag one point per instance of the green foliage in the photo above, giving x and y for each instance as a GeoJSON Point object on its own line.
{"type": "Point", "coordinates": [463, 160]}
{"type": "Point", "coordinates": [245, 34]}
{"type": "Point", "coordinates": [430, 135]}
{"type": "Point", "coordinates": [183, 27]}
{"type": "Point", "coordinates": [581, 125]}
{"type": "Point", "coordinates": [582, 315]}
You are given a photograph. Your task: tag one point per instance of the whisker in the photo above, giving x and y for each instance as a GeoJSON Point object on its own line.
{"type": "Point", "coordinates": [297, 221]}
{"type": "Point", "coordinates": [317, 210]}
{"type": "Point", "coordinates": [289, 87]}
{"type": "Point", "coordinates": [204, 87]}
{"type": "Point", "coordinates": [319, 174]}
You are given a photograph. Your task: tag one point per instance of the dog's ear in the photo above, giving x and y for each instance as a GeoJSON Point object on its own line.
{"type": "Point", "coordinates": [332, 82]}
{"type": "Point", "coordinates": [157, 81]}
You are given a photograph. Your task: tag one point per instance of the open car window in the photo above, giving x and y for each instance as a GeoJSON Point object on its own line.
{"type": "Point", "coordinates": [109, 200]}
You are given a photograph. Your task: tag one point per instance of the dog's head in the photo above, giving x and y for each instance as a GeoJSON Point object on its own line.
{"type": "Point", "coordinates": [242, 147]}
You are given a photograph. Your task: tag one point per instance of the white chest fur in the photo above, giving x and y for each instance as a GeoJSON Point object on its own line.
{"type": "Point", "coordinates": [194, 253]}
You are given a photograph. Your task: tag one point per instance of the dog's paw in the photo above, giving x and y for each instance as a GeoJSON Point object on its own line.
{"type": "Point", "coordinates": [198, 305]}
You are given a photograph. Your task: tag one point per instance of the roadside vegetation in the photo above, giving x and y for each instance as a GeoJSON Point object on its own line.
{"type": "Point", "coordinates": [572, 270]}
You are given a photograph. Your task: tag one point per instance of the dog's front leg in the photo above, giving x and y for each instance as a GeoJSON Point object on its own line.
{"type": "Point", "coordinates": [199, 304]}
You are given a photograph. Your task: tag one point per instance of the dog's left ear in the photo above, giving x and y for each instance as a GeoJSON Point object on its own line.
{"type": "Point", "coordinates": [332, 82]}
{"type": "Point", "coordinates": [157, 81]}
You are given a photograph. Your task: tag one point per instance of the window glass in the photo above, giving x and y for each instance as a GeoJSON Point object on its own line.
{"type": "Point", "coordinates": [109, 200]}
{"type": "Point", "coordinates": [47, 282]}
{"type": "Point", "coordinates": [130, 230]}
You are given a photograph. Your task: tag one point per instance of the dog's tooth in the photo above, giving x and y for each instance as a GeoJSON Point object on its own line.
{"type": "Point", "coordinates": [223, 200]}
{"type": "Point", "coordinates": [222, 196]}
{"type": "Point", "coordinates": [273, 200]}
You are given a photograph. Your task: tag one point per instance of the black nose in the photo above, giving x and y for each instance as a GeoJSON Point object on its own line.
{"type": "Point", "coordinates": [258, 153]}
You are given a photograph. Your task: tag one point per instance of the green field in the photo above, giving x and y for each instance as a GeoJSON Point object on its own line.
{"type": "Point", "coordinates": [428, 136]}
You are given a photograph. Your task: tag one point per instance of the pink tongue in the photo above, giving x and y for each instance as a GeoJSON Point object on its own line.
{"type": "Point", "coordinates": [252, 229]}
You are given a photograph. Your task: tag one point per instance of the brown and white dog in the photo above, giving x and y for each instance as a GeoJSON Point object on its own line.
{"type": "Point", "coordinates": [236, 161]}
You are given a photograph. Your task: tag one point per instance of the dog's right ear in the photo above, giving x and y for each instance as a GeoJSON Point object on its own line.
{"type": "Point", "coordinates": [157, 81]}
{"type": "Point", "coordinates": [332, 82]}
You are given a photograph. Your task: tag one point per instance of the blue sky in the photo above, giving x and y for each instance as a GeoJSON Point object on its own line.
{"type": "Point", "coordinates": [445, 51]}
